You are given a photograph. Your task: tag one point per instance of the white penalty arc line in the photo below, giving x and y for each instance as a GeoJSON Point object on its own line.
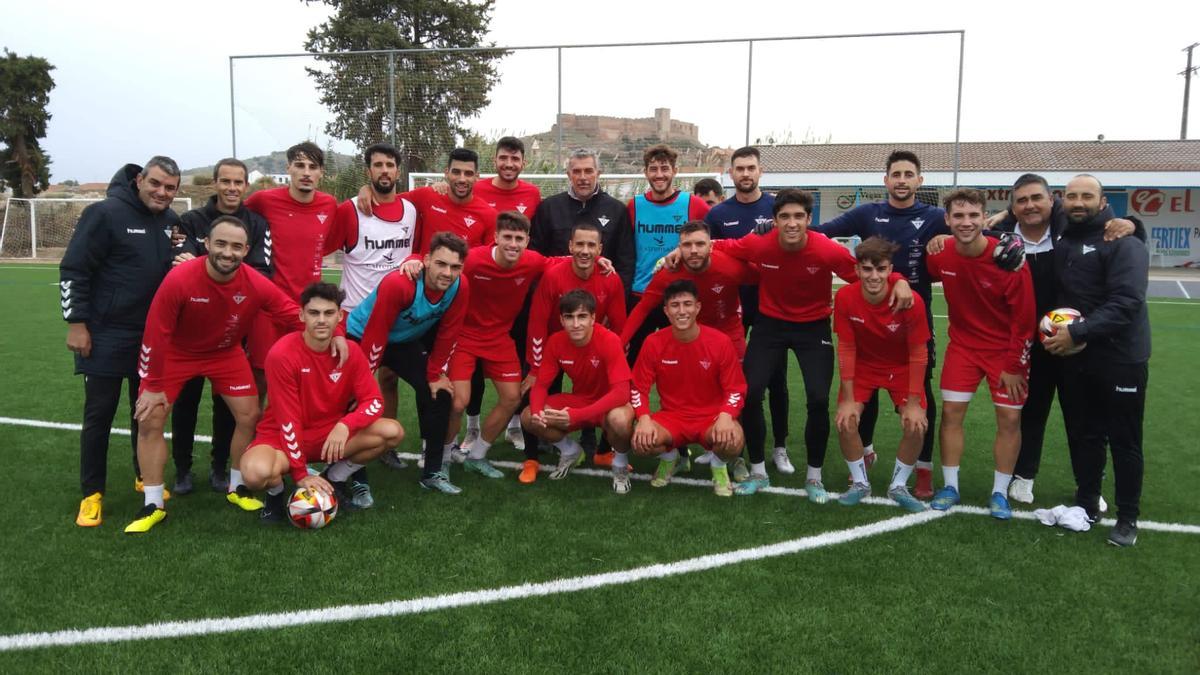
{"type": "Point", "coordinates": [1178, 528]}
{"type": "Point", "coordinates": [343, 613]}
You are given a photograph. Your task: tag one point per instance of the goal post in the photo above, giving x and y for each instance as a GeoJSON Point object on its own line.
{"type": "Point", "coordinates": [40, 228]}
{"type": "Point", "coordinates": [623, 186]}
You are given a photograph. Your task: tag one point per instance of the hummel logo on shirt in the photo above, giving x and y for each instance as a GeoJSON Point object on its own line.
{"type": "Point", "coordinates": [1125, 390]}
{"type": "Point", "coordinates": [305, 370]}
{"type": "Point", "coordinates": [670, 362]}
{"type": "Point", "coordinates": [947, 273]}
{"type": "Point", "coordinates": [882, 220]}
{"type": "Point", "coordinates": [438, 209]}
{"type": "Point", "coordinates": [566, 362]}
{"type": "Point", "coordinates": [1088, 249]}
{"type": "Point", "coordinates": [195, 299]}
{"type": "Point", "coordinates": [855, 318]}
{"type": "Point", "coordinates": [769, 266]}
{"type": "Point", "coordinates": [135, 230]}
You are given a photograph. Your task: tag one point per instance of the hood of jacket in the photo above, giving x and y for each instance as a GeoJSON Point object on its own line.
{"type": "Point", "coordinates": [122, 187]}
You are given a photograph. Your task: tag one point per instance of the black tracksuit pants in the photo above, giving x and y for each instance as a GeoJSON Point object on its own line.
{"type": "Point", "coordinates": [812, 343]}
{"type": "Point", "coordinates": [408, 360]}
{"type": "Point", "coordinates": [1104, 404]}
{"type": "Point", "coordinates": [184, 414]}
{"type": "Point", "coordinates": [1045, 380]}
{"type": "Point", "coordinates": [101, 396]}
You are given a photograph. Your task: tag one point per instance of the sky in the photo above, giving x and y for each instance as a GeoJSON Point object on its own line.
{"type": "Point", "coordinates": [138, 78]}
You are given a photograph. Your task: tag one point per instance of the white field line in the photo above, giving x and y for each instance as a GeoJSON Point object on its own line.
{"type": "Point", "coordinates": [1181, 528]}
{"type": "Point", "coordinates": [343, 613]}
{"type": "Point", "coordinates": [1182, 289]}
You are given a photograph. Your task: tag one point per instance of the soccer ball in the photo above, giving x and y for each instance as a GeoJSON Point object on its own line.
{"type": "Point", "coordinates": [1060, 318]}
{"type": "Point", "coordinates": [311, 510]}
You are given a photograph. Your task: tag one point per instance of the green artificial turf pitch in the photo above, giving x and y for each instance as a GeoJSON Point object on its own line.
{"type": "Point", "coordinates": [960, 594]}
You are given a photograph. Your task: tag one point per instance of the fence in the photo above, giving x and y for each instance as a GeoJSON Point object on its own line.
{"type": "Point", "coordinates": [40, 229]}
{"type": "Point", "coordinates": [699, 96]}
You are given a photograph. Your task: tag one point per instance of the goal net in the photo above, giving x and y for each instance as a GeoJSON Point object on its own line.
{"type": "Point", "coordinates": [39, 229]}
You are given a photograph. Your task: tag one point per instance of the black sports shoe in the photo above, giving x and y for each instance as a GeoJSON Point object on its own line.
{"type": "Point", "coordinates": [218, 480]}
{"type": "Point", "coordinates": [183, 484]}
{"type": "Point", "coordinates": [274, 509]}
{"type": "Point", "coordinates": [341, 491]}
{"type": "Point", "coordinates": [1124, 533]}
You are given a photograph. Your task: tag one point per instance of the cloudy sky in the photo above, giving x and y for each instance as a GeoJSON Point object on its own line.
{"type": "Point", "coordinates": [138, 78]}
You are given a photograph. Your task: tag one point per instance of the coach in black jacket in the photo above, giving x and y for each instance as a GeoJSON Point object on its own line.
{"type": "Point", "coordinates": [230, 180]}
{"type": "Point", "coordinates": [1104, 386]}
{"type": "Point", "coordinates": [117, 257]}
{"type": "Point", "coordinates": [557, 215]}
{"type": "Point", "coordinates": [1040, 219]}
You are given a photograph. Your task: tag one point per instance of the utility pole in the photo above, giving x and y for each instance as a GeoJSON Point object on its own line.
{"type": "Point", "coordinates": [1187, 88]}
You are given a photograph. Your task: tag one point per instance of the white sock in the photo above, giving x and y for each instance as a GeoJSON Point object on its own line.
{"type": "Point", "coordinates": [757, 468]}
{"type": "Point", "coordinates": [715, 461]}
{"type": "Point", "coordinates": [900, 474]}
{"type": "Point", "coordinates": [1000, 482]}
{"type": "Point", "coordinates": [514, 423]}
{"type": "Point", "coordinates": [858, 470]}
{"type": "Point", "coordinates": [569, 447]}
{"type": "Point", "coordinates": [478, 449]}
{"type": "Point", "coordinates": [275, 489]}
{"type": "Point", "coordinates": [950, 476]}
{"type": "Point", "coordinates": [814, 473]}
{"type": "Point", "coordinates": [924, 465]}
{"type": "Point", "coordinates": [620, 461]}
{"type": "Point", "coordinates": [473, 422]}
{"type": "Point", "coordinates": [671, 456]}
{"type": "Point", "coordinates": [235, 479]}
{"type": "Point", "coordinates": [341, 470]}
{"type": "Point", "coordinates": [154, 495]}
{"type": "Point", "coordinates": [447, 449]}
{"type": "Point", "coordinates": [868, 449]}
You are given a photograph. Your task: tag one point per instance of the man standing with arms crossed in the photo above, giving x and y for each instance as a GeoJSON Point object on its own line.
{"type": "Point", "coordinates": [117, 257]}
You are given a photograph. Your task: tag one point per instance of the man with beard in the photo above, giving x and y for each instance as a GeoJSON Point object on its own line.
{"type": "Point", "coordinates": [750, 209]}
{"type": "Point", "coordinates": [117, 257]}
{"type": "Point", "coordinates": [1104, 386]}
{"type": "Point", "coordinates": [374, 243]}
{"type": "Point", "coordinates": [229, 177]}
{"type": "Point", "coordinates": [195, 328]}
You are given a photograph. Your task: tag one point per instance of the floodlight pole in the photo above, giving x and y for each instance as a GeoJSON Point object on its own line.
{"type": "Point", "coordinates": [232, 116]}
{"type": "Point", "coordinates": [749, 84]}
{"type": "Point", "coordinates": [962, 41]}
{"type": "Point", "coordinates": [1187, 89]}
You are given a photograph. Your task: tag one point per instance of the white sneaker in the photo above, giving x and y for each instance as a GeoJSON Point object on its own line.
{"type": "Point", "coordinates": [706, 458]}
{"type": "Point", "coordinates": [620, 481]}
{"type": "Point", "coordinates": [471, 437]}
{"type": "Point", "coordinates": [782, 462]}
{"type": "Point", "coordinates": [515, 437]}
{"type": "Point", "coordinates": [1021, 490]}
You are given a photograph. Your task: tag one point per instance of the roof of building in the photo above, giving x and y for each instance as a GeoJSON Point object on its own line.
{"type": "Point", "coordinates": [991, 156]}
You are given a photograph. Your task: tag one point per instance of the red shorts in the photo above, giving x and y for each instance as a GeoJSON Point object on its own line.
{"type": "Point", "coordinates": [963, 369]}
{"type": "Point", "coordinates": [311, 440]}
{"type": "Point", "coordinates": [560, 401]}
{"type": "Point", "coordinates": [229, 372]}
{"type": "Point", "coordinates": [686, 428]}
{"type": "Point", "coordinates": [500, 363]}
{"type": "Point", "coordinates": [262, 336]}
{"type": "Point", "coordinates": [867, 380]}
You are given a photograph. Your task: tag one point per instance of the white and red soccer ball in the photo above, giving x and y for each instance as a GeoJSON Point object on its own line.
{"type": "Point", "coordinates": [1057, 319]}
{"type": "Point", "coordinates": [311, 510]}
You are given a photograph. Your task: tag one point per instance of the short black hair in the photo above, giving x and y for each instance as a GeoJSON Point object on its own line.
{"type": "Point", "coordinates": [747, 151]}
{"type": "Point", "coordinates": [323, 290]}
{"type": "Point", "coordinates": [679, 287]}
{"type": "Point", "coordinates": [231, 161]}
{"type": "Point", "coordinates": [512, 144]}
{"type": "Point", "coordinates": [306, 149]}
{"type": "Point", "coordinates": [576, 298]}
{"type": "Point", "coordinates": [902, 156]}
{"type": "Point", "coordinates": [512, 220]}
{"type": "Point", "coordinates": [381, 149]}
{"type": "Point", "coordinates": [231, 220]}
{"type": "Point", "coordinates": [793, 196]}
{"type": "Point", "coordinates": [448, 240]}
{"type": "Point", "coordinates": [706, 186]}
{"type": "Point", "coordinates": [463, 155]}
{"type": "Point", "coordinates": [587, 226]}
